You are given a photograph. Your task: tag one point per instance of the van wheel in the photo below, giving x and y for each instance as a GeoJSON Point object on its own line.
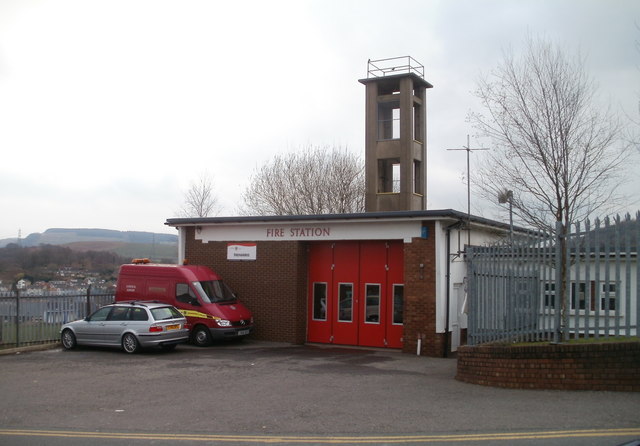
{"type": "Point", "coordinates": [130, 343]}
{"type": "Point", "coordinates": [201, 336]}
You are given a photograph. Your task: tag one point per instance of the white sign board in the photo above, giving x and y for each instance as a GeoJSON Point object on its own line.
{"type": "Point", "coordinates": [241, 251]}
{"type": "Point", "coordinates": [352, 230]}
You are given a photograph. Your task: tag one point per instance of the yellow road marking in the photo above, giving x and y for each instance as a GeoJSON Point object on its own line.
{"type": "Point", "coordinates": [327, 439]}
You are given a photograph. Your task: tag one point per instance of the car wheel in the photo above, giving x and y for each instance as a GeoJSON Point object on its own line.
{"type": "Point", "coordinates": [130, 343]}
{"type": "Point", "coordinates": [68, 339]}
{"type": "Point", "coordinates": [201, 336]}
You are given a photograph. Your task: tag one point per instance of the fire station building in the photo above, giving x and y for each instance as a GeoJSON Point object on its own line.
{"type": "Point", "coordinates": [380, 279]}
{"type": "Point", "coordinates": [391, 277]}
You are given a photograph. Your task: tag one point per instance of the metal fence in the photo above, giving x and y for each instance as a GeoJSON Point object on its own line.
{"type": "Point", "coordinates": [582, 282]}
{"type": "Point", "coordinates": [37, 319]}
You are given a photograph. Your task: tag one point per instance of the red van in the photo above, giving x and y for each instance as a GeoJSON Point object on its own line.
{"type": "Point", "coordinates": [212, 310]}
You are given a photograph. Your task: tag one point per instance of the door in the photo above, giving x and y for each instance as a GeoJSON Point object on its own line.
{"type": "Point", "coordinates": [115, 325]}
{"type": "Point", "coordinates": [372, 305]}
{"type": "Point", "coordinates": [395, 294]}
{"type": "Point", "coordinates": [346, 290]}
{"type": "Point", "coordinates": [356, 293]}
{"type": "Point", "coordinates": [93, 330]}
{"type": "Point", "coordinates": [320, 280]}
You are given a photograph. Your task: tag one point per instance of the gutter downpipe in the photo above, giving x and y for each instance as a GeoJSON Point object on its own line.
{"type": "Point", "coordinates": [448, 293]}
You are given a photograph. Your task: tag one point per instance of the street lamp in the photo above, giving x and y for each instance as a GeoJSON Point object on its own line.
{"type": "Point", "coordinates": [507, 197]}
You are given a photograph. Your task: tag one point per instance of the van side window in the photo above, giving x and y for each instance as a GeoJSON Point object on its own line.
{"type": "Point", "coordinates": [184, 293]}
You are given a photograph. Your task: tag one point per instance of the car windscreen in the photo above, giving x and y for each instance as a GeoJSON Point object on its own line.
{"type": "Point", "coordinates": [164, 313]}
{"type": "Point", "coordinates": [214, 291]}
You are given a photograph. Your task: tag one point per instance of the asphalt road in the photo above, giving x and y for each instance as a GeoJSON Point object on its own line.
{"type": "Point", "coordinates": [258, 392]}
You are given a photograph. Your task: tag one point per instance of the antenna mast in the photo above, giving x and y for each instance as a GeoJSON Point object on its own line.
{"type": "Point", "coordinates": [468, 149]}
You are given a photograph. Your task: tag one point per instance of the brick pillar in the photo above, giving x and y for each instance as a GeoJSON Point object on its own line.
{"type": "Point", "coordinates": [420, 296]}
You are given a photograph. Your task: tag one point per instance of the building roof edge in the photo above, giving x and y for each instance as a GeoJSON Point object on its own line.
{"type": "Point", "coordinates": [441, 214]}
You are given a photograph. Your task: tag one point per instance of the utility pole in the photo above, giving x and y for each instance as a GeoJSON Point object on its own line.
{"type": "Point", "coordinates": [468, 149]}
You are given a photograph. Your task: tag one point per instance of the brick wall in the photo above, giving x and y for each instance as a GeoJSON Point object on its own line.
{"type": "Point", "coordinates": [273, 287]}
{"type": "Point", "coordinates": [606, 366]}
{"type": "Point", "coordinates": [420, 296]}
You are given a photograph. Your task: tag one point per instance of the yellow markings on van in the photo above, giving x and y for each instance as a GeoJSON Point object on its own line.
{"type": "Point", "coordinates": [191, 313]}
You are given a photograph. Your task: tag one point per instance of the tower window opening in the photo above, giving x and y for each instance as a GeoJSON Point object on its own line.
{"type": "Point", "coordinates": [418, 127]}
{"type": "Point", "coordinates": [396, 178]}
{"type": "Point", "coordinates": [417, 178]}
{"type": "Point", "coordinates": [389, 176]}
{"type": "Point", "coordinates": [389, 121]}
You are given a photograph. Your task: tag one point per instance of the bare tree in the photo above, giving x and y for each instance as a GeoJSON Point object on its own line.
{"type": "Point", "coordinates": [314, 180]}
{"type": "Point", "coordinates": [200, 199]}
{"type": "Point", "coordinates": [556, 152]}
{"type": "Point", "coordinates": [552, 145]}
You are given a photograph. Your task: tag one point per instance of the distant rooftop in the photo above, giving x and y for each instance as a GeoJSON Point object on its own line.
{"type": "Point", "coordinates": [393, 66]}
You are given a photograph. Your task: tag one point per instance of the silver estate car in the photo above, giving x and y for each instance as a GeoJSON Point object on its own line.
{"type": "Point", "coordinates": [129, 325]}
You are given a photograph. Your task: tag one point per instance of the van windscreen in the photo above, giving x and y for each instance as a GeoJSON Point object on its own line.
{"type": "Point", "coordinates": [214, 291]}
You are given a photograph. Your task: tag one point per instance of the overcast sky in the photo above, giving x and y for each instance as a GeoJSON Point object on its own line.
{"type": "Point", "coordinates": [109, 109]}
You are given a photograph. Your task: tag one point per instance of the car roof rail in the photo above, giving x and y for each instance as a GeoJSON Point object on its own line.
{"type": "Point", "coordinates": [143, 303]}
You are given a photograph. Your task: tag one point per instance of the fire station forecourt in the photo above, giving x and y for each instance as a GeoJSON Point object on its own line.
{"type": "Point", "coordinates": [257, 392]}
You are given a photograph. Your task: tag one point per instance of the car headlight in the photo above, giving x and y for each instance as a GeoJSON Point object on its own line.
{"type": "Point", "coordinates": [224, 323]}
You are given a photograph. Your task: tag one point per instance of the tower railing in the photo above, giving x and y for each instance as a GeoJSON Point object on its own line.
{"type": "Point", "coordinates": [394, 65]}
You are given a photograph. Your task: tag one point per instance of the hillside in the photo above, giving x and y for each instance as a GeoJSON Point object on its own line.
{"type": "Point", "coordinates": [163, 252]}
{"type": "Point", "coordinates": [127, 244]}
{"type": "Point", "coordinates": [61, 236]}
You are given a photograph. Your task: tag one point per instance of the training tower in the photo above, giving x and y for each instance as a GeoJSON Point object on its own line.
{"type": "Point", "coordinates": [395, 135]}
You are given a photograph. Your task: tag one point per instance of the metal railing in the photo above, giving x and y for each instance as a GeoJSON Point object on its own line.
{"type": "Point", "coordinates": [37, 319]}
{"type": "Point", "coordinates": [582, 282]}
{"type": "Point", "coordinates": [394, 65]}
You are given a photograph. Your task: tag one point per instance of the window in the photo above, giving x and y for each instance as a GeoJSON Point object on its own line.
{"type": "Point", "coordinates": [389, 175]}
{"type": "Point", "coordinates": [119, 314]}
{"type": "Point", "coordinates": [101, 314]}
{"type": "Point", "coordinates": [398, 304]}
{"type": "Point", "coordinates": [578, 291]}
{"type": "Point", "coordinates": [418, 130]}
{"type": "Point", "coordinates": [583, 296]}
{"type": "Point", "coordinates": [138, 314]}
{"type": "Point", "coordinates": [212, 291]}
{"type": "Point", "coordinates": [320, 301]}
{"type": "Point", "coordinates": [165, 313]}
{"type": "Point", "coordinates": [550, 295]}
{"type": "Point", "coordinates": [184, 293]}
{"type": "Point", "coordinates": [345, 306]}
{"type": "Point", "coordinates": [417, 178]}
{"type": "Point", "coordinates": [389, 120]}
{"type": "Point", "coordinates": [608, 296]}
{"type": "Point", "coordinates": [372, 307]}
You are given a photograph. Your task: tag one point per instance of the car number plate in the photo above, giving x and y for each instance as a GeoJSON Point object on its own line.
{"type": "Point", "coordinates": [243, 332]}
{"type": "Point", "coordinates": [173, 327]}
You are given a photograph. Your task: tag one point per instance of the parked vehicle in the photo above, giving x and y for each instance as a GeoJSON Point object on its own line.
{"type": "Point", "coordinates": [129, 325]}
{"type": "Point", "coordinates": [212, 309]}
